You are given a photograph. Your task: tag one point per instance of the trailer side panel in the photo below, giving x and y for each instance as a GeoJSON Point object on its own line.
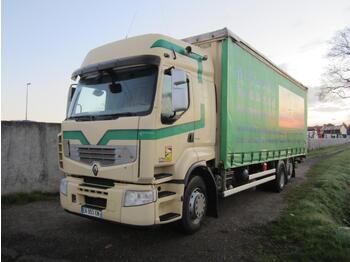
{"type": "Point", "coordinates": [263, 114]}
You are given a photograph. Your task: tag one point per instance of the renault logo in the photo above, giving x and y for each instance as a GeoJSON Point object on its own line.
{"type": "Point", "coordinates": [95, 169]}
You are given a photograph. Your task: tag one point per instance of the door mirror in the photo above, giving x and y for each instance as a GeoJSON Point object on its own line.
{"type": "Point", "coordinates": [71, 92]}
{"type": "Point", "coordinates": [179, 90]}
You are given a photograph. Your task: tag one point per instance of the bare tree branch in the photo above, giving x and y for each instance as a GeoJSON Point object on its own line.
{"type": "Point", "coordinates": [336, 79]}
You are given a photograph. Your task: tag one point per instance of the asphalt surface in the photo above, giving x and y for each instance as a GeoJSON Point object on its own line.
{"type": "Point", "coordinates": [42, 231]}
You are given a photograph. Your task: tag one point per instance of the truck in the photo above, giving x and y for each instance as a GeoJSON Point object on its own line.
{"type": "Point", "coordinates": [158, 130]}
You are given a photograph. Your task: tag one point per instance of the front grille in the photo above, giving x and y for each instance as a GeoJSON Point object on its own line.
{"type": "Point", "coordinates": [96, 202]}
{"type": "Point", "coordinates": [104, 155]}
{"type": "Point", "coordinates": [98, 182]}
{"type": "Point", "coordinates": [94, 185]}
{"type": "Point", "coordinates": [94, 190]}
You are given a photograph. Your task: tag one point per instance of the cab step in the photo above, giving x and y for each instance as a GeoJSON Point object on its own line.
{"type": "Point", "coordinates": [163, 177]}
{"type": "Point", "coordinates": [168, 216]}
{"type": "Point", "coordinates": [162, 194]}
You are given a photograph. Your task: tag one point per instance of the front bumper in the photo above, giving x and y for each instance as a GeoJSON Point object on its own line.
{"type": "Point", "coordinates": [110, 202]}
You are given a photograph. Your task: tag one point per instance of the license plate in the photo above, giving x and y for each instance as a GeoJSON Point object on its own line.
{"type": "Point", "coordinates": [91, 212]}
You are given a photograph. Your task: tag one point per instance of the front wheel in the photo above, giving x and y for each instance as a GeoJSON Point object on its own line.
{"type": "Point", "coordinates": [194, 205]}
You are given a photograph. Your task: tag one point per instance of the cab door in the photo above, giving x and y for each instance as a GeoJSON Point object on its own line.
{"type": "Point", "coordinates": [176, 133]}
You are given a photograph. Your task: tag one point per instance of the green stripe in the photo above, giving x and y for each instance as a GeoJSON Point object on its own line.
{"type": "Point", "coordinates": [181, 50]}
{"type": "Point", "coordinates": [76, 135]}
{"type": "Point", "coordinates": [128, 134]}
{"type": "Point", "coordinates": [142, 134]}
{"type": "Point", "coordinates": [199, 73]}
{"type": "Point", "coordinates": [153, 134]}
{"type": "Point", "coordinates": [201, 123]}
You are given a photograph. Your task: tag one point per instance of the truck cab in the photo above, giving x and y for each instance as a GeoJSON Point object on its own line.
{"type": "Point", "coordinates": [141, 119]}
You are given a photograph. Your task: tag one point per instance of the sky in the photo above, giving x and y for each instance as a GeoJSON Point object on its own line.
{"type": "Point", "coordinates": [43, 42]}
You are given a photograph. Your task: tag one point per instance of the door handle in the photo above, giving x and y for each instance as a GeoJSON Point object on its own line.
{"type": "Point", "coordinates": [190, 137]}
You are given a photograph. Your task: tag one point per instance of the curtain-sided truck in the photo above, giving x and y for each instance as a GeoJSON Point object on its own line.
{"type": "Point", "coordinates": [158, 129]}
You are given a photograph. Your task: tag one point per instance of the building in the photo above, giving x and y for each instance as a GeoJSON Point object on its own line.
{"type": "Point", "coordinates": [332, 131]}
{"type": "Point", "coordinates": [315, 132]}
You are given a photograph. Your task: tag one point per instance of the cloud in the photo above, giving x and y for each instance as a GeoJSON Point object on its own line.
{"type": "Point", "coordinates": [320, 118]}
{"type": "Point", "coordinates": [298, 23]}
{"type": "Point", "coordinates": [312, 45]}
{"type": "Point", "coordinates": [313, 95]}
{"type": "Point", "coordinates": [338, 104]}
{"type": "Point", "coordinates": [334, 111]}
{"type": "Point", "coordinates": [328, 108]}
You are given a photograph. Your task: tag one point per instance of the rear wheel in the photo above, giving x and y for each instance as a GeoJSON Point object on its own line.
{"type": "Point", "coordinates": [294, 166]}
{"type": "Point", "coordinates": [280, 181]}
{"type": "Point", "coordinates": [289, 170]}
{"type": "Point", "coordinates": [194, 205]}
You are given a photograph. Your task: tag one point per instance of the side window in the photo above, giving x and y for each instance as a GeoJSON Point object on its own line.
{"type": "Point", "coordinates": [168, 116]}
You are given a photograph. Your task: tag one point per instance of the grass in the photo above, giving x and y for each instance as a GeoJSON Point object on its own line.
{"type": "Point", "coordinates": [327, 150]}
{"type": "Point", "coordinates": [316, 224]}
{"type": "Point", "coordinates": [24, 198]}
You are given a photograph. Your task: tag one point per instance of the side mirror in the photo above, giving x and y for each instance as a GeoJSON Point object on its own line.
{"type": "Point", "coordinates": [179, 90]}
{"type": "Point", "coordinates": [71, 92]}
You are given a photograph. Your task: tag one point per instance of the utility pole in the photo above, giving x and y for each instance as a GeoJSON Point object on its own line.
{"type": "Point", "coordinates": [28, 84]}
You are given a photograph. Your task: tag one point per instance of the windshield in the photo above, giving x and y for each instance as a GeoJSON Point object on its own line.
{"type": "Point", "coordinates": [113, 93]}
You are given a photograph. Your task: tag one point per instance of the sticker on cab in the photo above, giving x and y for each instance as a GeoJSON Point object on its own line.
{"type": "Point", "coordinates": [168, 154]}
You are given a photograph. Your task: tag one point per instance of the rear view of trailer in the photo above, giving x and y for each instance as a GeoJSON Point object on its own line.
{"type": "Point", "coordinates": [262, 110]}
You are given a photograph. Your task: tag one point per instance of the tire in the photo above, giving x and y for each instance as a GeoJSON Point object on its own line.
{"type": "Point", "coordinates": [194, 206]}
{"type": "Point", "coordinates": [289, 170]}
{"type": "Point", "coordinates": [280, 181]}
{"type": "Point", "coordinates": [294, 166]}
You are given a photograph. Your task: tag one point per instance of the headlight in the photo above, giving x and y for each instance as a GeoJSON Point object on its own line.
{"type": "Point", "coordinates": [137, 198]}
{"type": "Point", "coordinates": [64, 186]}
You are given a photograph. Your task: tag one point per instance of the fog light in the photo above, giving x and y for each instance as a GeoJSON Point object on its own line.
{"type": "Point", "coordinates": [137, 198]}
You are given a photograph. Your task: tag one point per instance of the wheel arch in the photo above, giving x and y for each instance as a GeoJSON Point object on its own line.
{"type": "Point", "coordinates": [202, 170]}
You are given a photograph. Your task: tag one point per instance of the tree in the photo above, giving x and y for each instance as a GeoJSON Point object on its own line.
{"type": "Point", "coordinates": [336, 79]}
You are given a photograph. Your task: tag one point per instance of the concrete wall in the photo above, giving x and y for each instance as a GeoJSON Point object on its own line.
{"type": "Point", "coordinates": [29, 157]}
{"type": "Point", "coordinates": [324, 142]}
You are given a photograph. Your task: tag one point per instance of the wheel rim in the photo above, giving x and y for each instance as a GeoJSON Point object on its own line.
{"type": "Point", "coordinates": [197, 205]}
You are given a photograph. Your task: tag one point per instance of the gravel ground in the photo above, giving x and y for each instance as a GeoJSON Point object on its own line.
{"type": "Point", "coordinates": [42, 231]}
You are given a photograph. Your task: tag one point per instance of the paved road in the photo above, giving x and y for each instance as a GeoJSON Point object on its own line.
{"type": "Point", "coordinates": [42, 231]}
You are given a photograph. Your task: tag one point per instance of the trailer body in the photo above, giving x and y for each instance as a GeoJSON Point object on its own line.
{"type": "Point", "coordinates": [263, 111]}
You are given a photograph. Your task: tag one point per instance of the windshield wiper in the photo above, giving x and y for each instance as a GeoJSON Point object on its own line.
{"type": "Point", "coordinates": [102, 117]}
{"type": "Point", "coordinates": [127, 114]}
{"type": "Point", "coordinates": [115, 116]}
{"type": "Point", "coordinates": [83, 118]}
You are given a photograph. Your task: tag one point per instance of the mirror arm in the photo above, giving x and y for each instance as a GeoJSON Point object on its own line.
{"type": "Point", "coordinates": [174, 53]}
{"type": "Point", "coordinates": [182, 113]}
{"type": "Point", "coordinates": [174, 114]}
{"type": "Point", "coordinates": [168, 70]}
{"type": "Point", "coordinates": [170, 119]}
